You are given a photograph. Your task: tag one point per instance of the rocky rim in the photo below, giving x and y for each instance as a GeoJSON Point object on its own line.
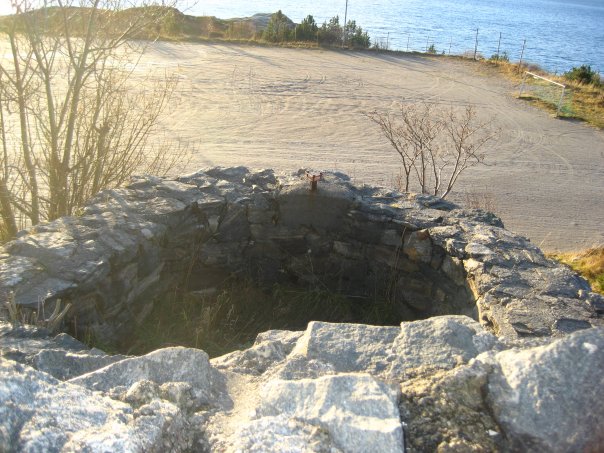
{"type": "Point", "coordinates": [517, 377]}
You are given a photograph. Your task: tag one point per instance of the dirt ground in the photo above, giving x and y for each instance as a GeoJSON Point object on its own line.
{"type": "Point", "coordinates": [293, 108]}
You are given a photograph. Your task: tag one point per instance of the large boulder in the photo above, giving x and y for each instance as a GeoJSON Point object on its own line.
{"type": "Point", "coordinates": [347, 347]}
{"type": "Point", "coordinates": [357, 412]}
{"type": "Point", "coordinates": [178, 364]}
{"type": "Point", "coordinates": [548, 398]}
{"type": "Point", "coordinates": [39, 413]}
{"type": "Point", "coordinates": [438, 343]}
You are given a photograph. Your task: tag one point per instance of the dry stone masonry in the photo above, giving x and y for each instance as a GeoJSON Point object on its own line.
{"type": "Point", "coordinates": [129, 246]}
{"type": "Point", "coordinates": [498, 349]}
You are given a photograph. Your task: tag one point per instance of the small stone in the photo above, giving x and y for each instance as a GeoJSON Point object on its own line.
{"type": "Point", "coordinates": [418, 246]}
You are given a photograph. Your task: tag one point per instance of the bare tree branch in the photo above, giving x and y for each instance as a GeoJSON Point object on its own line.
{"type": "Point", "coordinates": [72, 124]}
{"type": "Point", "coordinates": [436, 145]}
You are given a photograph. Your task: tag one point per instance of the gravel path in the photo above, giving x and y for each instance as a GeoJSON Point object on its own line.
{"type": "Point", "coordinates": [292, 108]}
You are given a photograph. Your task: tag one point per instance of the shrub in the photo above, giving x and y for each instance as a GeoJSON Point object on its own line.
{"type": "Point", "coordinates": [500, 57]}
{"type": "Point", "coordinates": [331, 32]}
{"type": "Point", "coordinates": [277, 29]}
{"type": "Point", "coordinates": [307, 29]}
{"type": "Point", "coordinates": [584, 74]}
{"type": "Point", "coordinates": [355, 36]}
{"type": "Point", "coordinates": [71, 124]}
{"type": "Point", "coordinates": [436, 145]}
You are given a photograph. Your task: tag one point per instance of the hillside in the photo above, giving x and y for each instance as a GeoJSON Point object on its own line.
{"type": "Point", "coordinates": [162, 23]}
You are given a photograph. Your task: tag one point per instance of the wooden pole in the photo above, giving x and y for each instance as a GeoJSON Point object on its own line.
{"type": "Point", "coordinates": [521, 56]}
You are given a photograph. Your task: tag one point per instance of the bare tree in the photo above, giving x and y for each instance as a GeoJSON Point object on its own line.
{"type": "Point", "coordinates": [435, 144]}
{"type": "Point", "coordinates": [72, 122]}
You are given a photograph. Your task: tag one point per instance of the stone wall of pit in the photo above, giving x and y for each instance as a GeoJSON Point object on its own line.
{"type": "Point", "coordinates": [429, 257]}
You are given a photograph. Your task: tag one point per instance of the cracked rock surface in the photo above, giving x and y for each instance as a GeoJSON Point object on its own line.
{"type": "Point", "coordinates": [368, 389]}
{"type": "Point", "coordinates": [500, 348]}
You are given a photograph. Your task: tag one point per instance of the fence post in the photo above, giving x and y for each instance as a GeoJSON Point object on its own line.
{"type": "Point", "coordinates": [476, 45]}
{"type": "Point", "coordinates": [560, 102]}
{"type": "Point", "coordinates": [521, 55]}
{"type": "Point", "coordinates": [498, 46]}
{"type": "Point", "coordinates": [522, 86]}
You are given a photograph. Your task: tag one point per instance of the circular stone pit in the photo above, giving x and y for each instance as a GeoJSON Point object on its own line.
{"type": "Point", "coordinates": [421, 255]}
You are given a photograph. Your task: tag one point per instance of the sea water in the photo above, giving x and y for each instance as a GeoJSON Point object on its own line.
{"type": "Point", "coordinates": [555, 34]}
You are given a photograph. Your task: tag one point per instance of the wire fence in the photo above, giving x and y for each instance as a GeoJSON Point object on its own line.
{"type": "Point", "coordinates": [489, 45]}
{"type": "Point", "coordinates": [473, 44]}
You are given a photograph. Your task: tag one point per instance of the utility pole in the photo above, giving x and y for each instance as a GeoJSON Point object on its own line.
{"type": "Point", "coordinates": [344, 29]}
{"type": "Point", "coordinates": [476, 45]}
{"type": "Point", "coordinates": [498, 46]}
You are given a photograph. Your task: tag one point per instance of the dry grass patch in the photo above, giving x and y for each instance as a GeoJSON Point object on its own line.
{"type": "Point", "coordinates": [589, 263]}
{"type": "Point", "coordinates": [586, 100]}
{"type": "Point", "coordinates": [229, 317]}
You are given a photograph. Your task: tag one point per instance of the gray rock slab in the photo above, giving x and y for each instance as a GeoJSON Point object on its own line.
{"type": "Point", "coordinates": [359, 413]}
{"type": "Point", "coordinates": [44, 246]}
{"type": "Point", "coordinates": [23, 342]}
{"type": "Point", "coordinates": [40, 414]}
{"type": "Point", "coordinates": [347, 347]}
{"type": "Point", "coordinates": [281, 434]}
{"type": "Point", "coordinates": [231, 174]}
{"type": "Point", "coordinates": [65, 365]}
{"type": "Point", "coordinates": [297, 367]}
{"type": "Point", "coordinates": [549, 398]}
{"type": "Point", "coordinates": [176, 364]}
{"type": "Point", "coordinates": [270, 348]}
{"type": "Point", "coordinates": [418, 246]}
{"type": "Point", "coordinates": [438, 343]}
